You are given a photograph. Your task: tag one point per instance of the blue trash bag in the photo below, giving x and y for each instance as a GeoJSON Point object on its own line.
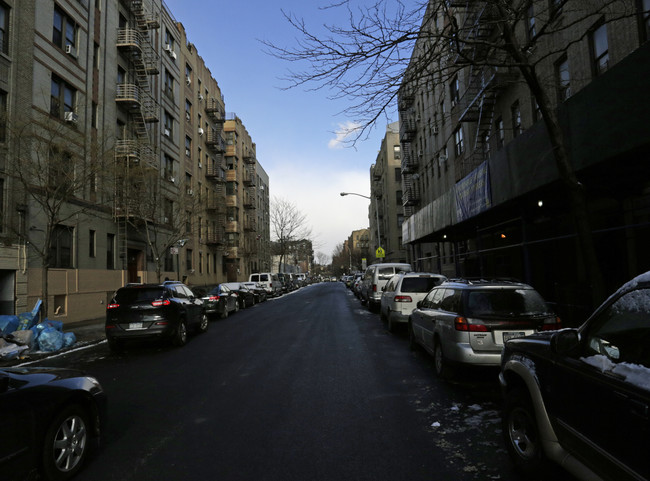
{"type": "Point", "coordinates": [50, 339]}
{"type": "Point", "coordinates": [69, 339]}
{"type": "Point", "coordinates": [25, 321]}
{"type": "Point", "coordinates": [8, 324]}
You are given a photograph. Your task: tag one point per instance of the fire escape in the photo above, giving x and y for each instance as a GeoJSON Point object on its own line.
{"type": "Point", "coordinates": [136, 148]}
{"type": "Point", "coordinates": [410, 159]}
{"type": "Point", "coordinates": [485, 77]}
{"type": "Point", "coordinates": [216, 172]}
{"type": "Point", "coordinates": [250, 192]}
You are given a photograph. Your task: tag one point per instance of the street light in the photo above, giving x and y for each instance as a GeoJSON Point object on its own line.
{"type": "Point", "coordinates": [343, 194]}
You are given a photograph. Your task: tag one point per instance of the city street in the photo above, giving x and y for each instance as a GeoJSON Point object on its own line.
{"type": "Point", "coordinates": [309, 386]}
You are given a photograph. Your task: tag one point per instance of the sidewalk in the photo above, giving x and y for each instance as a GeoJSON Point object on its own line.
{"type": "Point", "coordinates": [87, 332]}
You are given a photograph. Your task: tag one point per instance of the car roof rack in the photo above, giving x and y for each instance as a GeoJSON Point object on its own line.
{"type": "Point", "coordinates": [483, 280]}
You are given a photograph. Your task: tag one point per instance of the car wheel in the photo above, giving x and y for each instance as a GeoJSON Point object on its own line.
{"type": "Point", "coordinates": [203, 323]}
{"type": "Point", "coordinates": [223, 314]}
{"type": "Point", "coordinates": [521, 433]}
{"type": "Point", "coordinates": [180, 336]}
{"type": "Point", "coordinates": [66, 444]}
{"type": "Point", "coordinates": [236, 306]}
{"type": "Point", "coordinates": [391, 324]}
{"type": "Point", "coordinates": [412, 342]}
{"type": "Point", "coordinates": [443, 370]}
{"type": "Point", "coordinates": [382, 316]}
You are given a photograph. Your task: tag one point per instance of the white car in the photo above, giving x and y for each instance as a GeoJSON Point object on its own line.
{"type": "Point", "coordinates": [402, 293]}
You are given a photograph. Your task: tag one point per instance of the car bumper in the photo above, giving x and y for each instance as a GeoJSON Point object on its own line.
{"type": "Point", "coordinates": [398, 317]}
{"type": "Point", "coordinates": [121, 332]}
{"type": "Point", "coordinates": [464, 354]}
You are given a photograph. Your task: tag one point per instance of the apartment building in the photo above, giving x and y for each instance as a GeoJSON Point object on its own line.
{"type": "Point", "coordinates": [482, 192]}
{"type": "Point", "coordinates": [386, 192]}
{"type": "Point", "coordinates": [112, 155]}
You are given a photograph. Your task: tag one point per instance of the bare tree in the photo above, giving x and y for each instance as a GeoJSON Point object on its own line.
{"type": "Point", "coordinates": [58, 182]}
{"type": "Point", "coordinates": [387, 45]}
{"type": "Point", "coordinates": [288, 225]}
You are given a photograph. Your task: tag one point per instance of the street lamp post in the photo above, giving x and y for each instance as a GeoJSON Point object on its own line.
{"type": "Point", "coordinates": [343, 194]}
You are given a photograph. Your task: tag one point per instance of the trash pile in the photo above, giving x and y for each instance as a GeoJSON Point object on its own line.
{"type": "Point", "coordinates": [24, 333]}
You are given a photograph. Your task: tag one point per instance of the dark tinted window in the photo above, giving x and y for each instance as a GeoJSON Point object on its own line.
{"type": "Point", "coordinates": [419, 284]}
{"type": "Point", "coordinates": [450, 300]}
{"type": "Point", "coordinates": [505, 302]}
{"type": "Point", "coordinates": [140, 294]}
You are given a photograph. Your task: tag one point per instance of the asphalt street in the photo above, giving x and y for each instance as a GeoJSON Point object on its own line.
{"type": "Point", "coordinates": [309, 386]}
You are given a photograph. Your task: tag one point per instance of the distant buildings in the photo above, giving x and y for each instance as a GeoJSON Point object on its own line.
{"type": "Point", "coordinates": [146, 174]}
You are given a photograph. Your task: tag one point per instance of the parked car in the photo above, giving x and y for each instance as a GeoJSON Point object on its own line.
{"type": "Point", "coordinates": [269, 281]}
{"type": "Point", "coordinates": [53, 418]}
{"type": "Point", "coordinates": [581, 397]}
{"type": "Point", "coordinates": [468, 321]}
{"type": "Point", "coordinates": [258, 291]}
{"type": "Point", "coordinates": [244, 295]}
{"type": "Point", "coordinates": [401, 294]}
{"type": "Point", "coordinates": [154, 311]}
{"type": "Point", "coordinates": [375, 278]}
{"type": "Point", "coordinates": [218, 300]}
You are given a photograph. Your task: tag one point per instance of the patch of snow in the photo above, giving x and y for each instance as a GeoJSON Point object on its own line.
{"type": "Point", "coordinates": [435, 424]}
{"type": "Point", "coordinates": [635, 374]}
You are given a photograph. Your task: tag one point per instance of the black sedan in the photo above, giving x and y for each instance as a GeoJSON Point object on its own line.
{"type": "Point", "coordinates": [258, 291]}
{"type": "Point", "coordinates": [51, 419]}
{"type": "Point", "coordinates": [217, 299]}
{"type": "Point", "coordinates": [244, 294]}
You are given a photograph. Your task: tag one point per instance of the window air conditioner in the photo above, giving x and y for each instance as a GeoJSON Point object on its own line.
{"type": "Point", "coordinates": [172, 180]}
{"type": "Point", "coordinates": [190, 192]}
{"type": "Point", "coordinates": [188, 80]}
{"type": "Point", "coordinates": [71, 117]}
{"type": "Point", "coordinates": [168, 48]}
{"type": "Point", "coordinates": [165, 220]}
{"type": "Point", "coordinates": [200, 97]}
{"type": "Point", "coordinates": [172, 54]}
{"type": "Point", "coordinates": [70, 50]}
{"type": "Point", "coordinates": [420, 153]}
{"type": "Point", "coordinates": [167, 133]}
{"type": "Point", "coordinates": [435, 130]}
{"type": "Point", "coordinates": [200, 131]}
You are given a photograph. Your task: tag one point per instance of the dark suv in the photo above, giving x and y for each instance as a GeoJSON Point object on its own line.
{"type": "Point", "coordinates": [153, 311]}
{"type": "Point", "coordinates": [581, 397]}
{"type": "Point", "coordinates": [467, 321]}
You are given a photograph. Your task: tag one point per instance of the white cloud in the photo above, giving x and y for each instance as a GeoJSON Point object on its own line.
{"type": "Point", "coordinates": [343, 133]}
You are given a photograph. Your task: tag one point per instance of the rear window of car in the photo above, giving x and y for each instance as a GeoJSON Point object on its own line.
{"type": "Point", "coordinates": [264, 277]}
{"type": "Point", "coordinates": [140, 294]}
{"type": "Point", "coordinates": [419, 284]}
{"type": "Point", "coordinates": [506, 303]}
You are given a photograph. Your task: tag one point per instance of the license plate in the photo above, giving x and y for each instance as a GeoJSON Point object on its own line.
{"type": "Point", "coordinates": [512, 335]}
{"type": "Point", "coordinates": [135, 325]}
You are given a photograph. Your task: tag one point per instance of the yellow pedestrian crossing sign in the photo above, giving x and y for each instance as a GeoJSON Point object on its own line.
{"type": "Point", "coordinates": [380, 252]}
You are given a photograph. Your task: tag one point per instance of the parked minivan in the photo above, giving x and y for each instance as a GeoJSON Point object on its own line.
{"type": "Point", "coordinates": [375, 278]}
{"type": "Point", "coordinates": [270, 282]}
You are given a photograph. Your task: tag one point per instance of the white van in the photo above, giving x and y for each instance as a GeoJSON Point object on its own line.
{"type": "Point", "coordinates": [270, 282]}
{"type": "Point", "coordinates": [375, 278]}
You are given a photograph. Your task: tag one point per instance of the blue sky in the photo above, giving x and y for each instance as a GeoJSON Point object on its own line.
{"type": "Point", "coordinates": [294, 130]}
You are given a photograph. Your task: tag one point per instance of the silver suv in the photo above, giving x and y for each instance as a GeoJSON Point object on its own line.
{"type": "Point", "coordinates": [402, 293]}
{"type": "Point", "coordinates": [468, 321]}
{"type": "Point", "coordinates": [374, 280]}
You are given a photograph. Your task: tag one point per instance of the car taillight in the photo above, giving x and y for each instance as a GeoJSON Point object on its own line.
{"type": "Point", "coordinates": [469, 325]}
{"type": "Point", "coordinates": [113, 306]}
{"type": "Point", "coordinates": [163, 302]}
{"type": "Point", "coordinates": [214, 298]}
{"type": "Point", "coordinates": [374, 288]}
{"type": "Point", "coordinates": [552, 324]}
{"type": "Point", "coordinates": [403, 299]}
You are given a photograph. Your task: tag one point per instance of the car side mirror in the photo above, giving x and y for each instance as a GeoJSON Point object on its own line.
{"type": "Point", "coordinates": [565, 341]}
{"type": "Point", "coordinates": [419, 304]}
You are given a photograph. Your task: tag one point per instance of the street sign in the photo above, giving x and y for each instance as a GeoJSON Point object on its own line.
{"type": "Point", "coordinates": [380, 252]}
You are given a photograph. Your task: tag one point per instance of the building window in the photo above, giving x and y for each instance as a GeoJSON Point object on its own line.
{"type": "Point", "coordinates": [169, 167]}
{"type": "Point", "coordinates": [501, 134]}
{"type": "Point", "coordinates": [188, 222]}
{"type": "Point", "coordinates": [188, 259]}
{"type": "Point", "coordinates": [64, 31]}
{"type": "Point", "coordinates": [168, 211]}
{"type": "Point", "coordinates": [61, 247]}
{"type": "Point", "coordinates": [188, 110]}
{"type": "Point", "coordinates": [169, 85]}
{"type": "Point", "coordinates": [169, 40]}
{"type": "Point", "coordinates": [459, 147]}
{"type": "Point", "coordinates": [4, 28]}
{"type": "Point", "coordinates": [63, 98]}
{"type": "Point", "coordinates": [397, 152]}
{"type": "Point", "coordinates": [169, 125]}
{"type": "Point", "coordinates": [555, 7]}
{"type": "Point", "coordinates": [188, 146]}
{"type": "Point", "coordinates": [398, 197]}
{"type": "Point", "coordinates": [169, 261]}
{"type": "Point", "coordinates": [60, 175]}
{"type": "Point", "coordinates": [92, 243]}
{"type": "Point", "coordinates": [110, 251]}
{"type": "Point", "coordinates": [531, 23]}
{"type": "Point", "coordinates": [454, 91]}
{"type": "Point", "coordinates": [398, 174]}
{"type": "Point", "coordinates": [537, 113]}
{"type": "Point", "coordinates": [644, 19]}
{"type": "Point", "coordinates": [200, 263]}
{"type": "Point", "coordinates": [3, 116]}
{"type": "Point", "coordinates": [515, 112]}
{"type": "Point", "coordinates": [2, 204]}
{"type": "Point", "coordinates": [599, 49]}
{"type": "Point", "coordinates": [188, 74]}
{"type": "Point", "coordinates": [563, 79]}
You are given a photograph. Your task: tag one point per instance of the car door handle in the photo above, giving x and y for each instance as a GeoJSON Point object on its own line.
{"type": "Point", "coordinates": [637, 408]}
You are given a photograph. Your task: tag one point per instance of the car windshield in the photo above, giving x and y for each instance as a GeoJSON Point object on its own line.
{"type": "Point", "coordinates": [419, 284]}
{"type": "Point", "coordinates": [140, 294]}
{"type": "Point", "coordinates": [506, 302]}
